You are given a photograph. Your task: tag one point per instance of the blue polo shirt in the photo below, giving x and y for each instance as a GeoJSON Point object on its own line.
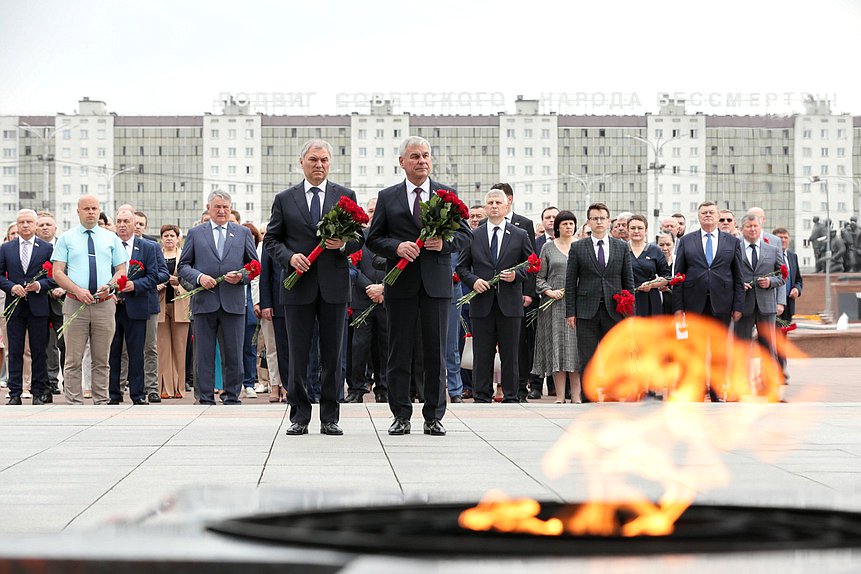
{"type": "Point", "coordinates": [72, 249]}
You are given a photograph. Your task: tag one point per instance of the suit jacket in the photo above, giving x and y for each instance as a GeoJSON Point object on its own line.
{"type": "Point", "coordinates": [290, 231]}
{"type": "Point", "coordinates": [769, 260]}
{"type": "Point", "coordinates": [524, 223]}
{"type": "Point", "coordinates": [722, 281]}
{"type": "Point", "coordinates": [271, 283]}
{"type": "Point", "coordinates": [586, 285]}
{"type": "Point", "coordinates": [11, 274]}
{"type": "Point", "coordinates": [794, 281]}
{"type": "Point", "coordinates": [393, 224]}
{"type": "Point", "coordinates": [475, 263]}
{"type": "Point", "coordinates": [138, 302]}
{"type": "Point", "coordinates": [199, 256]}
{"type": "Point", "coordinates": [366, 274]}
{"type": "Point", "coordinates": [180, 308]}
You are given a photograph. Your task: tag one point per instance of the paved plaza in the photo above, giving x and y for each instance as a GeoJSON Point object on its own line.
{"type": "Point", "coordinates": [69, 470]}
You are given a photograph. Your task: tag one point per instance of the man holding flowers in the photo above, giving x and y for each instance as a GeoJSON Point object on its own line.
{"type": "Point", "coordinates": [213, 258]}
{"type": "Point", "coordinates": [313, 227]}
{"type": "Point", "coordinates": [419, 281]}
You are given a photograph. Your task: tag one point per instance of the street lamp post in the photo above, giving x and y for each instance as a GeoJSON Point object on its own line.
{"type": "Point", "coordinates": [824, 182]}
{"type": "Point", "coordinates": [109, 179]}
{"type": "Point", "coordinates": [47, 136]}
{"type": "Point", "coordinates": [656, 146]}
{"type": "Point", "coordinates": [587, 183]}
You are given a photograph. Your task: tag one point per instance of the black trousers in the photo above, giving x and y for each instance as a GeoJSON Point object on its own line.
{"type": "Point", "coordinates": [17, 327]}
{"type": "Point", "coordinates": [229, 329]}
{"type": "Point", "coordinates": [402, 315]}
{"type": "Point", "coordinates": [486, 333]}
{"type": "Point", "coordinates": [370, 341]}
{"type": "Point", "coordinates": [331, 318]}
{"type": "Point", "coordinates": [282, 351]}
{"type": "Point", "coordinates": [589, 335]}
{"type": "Point", "coordinates": [132, 332]}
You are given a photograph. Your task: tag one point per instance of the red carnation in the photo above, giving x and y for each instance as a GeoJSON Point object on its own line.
{"type": "Point", "coordinates": [784, 272]}
{"type": "Point", "coordinates": [624, 303]}
{"type": "Point", "coordinates": [133, 262]}
{"type": "Point", "coordinates": [534, 264]}
{"type": "Point", "coordinates": [357, 213]}
{"type": "Point", "coordinates": [356, 257]}
{"type": "Point", "coordinates": [253, 269]}
{"type": "Point", "coordinates": [48, 268]}
{"type": "Point", "coordinates": [349, 311]}
{"type": "Point", "coordinates": [122, 282]}
{"type": "Point", "coordinates": [455, 277]}
{"type": "Point", "coordinates": [677, 278]}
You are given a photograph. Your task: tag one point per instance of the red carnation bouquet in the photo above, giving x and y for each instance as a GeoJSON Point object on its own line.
{"type": "Point", "coordinates": [624, 303]}
{"type": "Point", "coordinates": [344, 221]}
{"type": "Point", "coordinates": [47, 271]}
{"type": "Point", "coordinates": [532, 264]}
{"type": "Point", "coordinates": [783, 272]}
{"type": "Point", "coordinates": [250, 271]}
{"type": "Point", "coordinates": [441, 217]}
{"type": "Point", "coordinates": [355, 257]}
{"type": "Point", "coordinates": [786, 326]}
{"type": "Point", "coordinates": [114, 289]}
{"type": "Point", "coordinates": [677, 278]}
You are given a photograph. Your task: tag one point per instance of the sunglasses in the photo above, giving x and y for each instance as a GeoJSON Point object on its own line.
{"type": "Point", "coordinates": [726, 220]}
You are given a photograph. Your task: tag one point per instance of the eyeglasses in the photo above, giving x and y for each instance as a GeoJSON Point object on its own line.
{"type": "Point", "coordinates": [725, 220]}
{"type": "Point", "coordinates": [598, 218]}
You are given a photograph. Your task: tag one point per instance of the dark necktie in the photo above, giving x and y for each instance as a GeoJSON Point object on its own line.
{"type": "Point", "coordinates": [754, 260]}
{"type": "Point", "coordinates": [417, 206]}
{"type": "Point", "coordinates": [494, 246]}
{"type": "Point", "coordinates": [602, 263]}
{"type": "Point", "coordinates": [91, 250]}
{"type": "Point", "coordinates": [126, 245]}
{"type": "Point", "coordinates": [315, 206]}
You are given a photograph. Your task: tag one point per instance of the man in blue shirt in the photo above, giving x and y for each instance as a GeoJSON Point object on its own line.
{"type": "Point", "coordinates": [87, 260]}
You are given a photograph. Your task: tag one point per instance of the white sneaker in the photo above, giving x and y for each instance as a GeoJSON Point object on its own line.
{"type": "Point", "coordinates": [250, 393]}
{"type": "Point", "coordinates": [26, 395]}
{"type": "Point", "coordinates": [3, 384]}
{"type": "Point", "coordinates": [261, 388]}
{"type": "Point", "coordinates": [88, 394]}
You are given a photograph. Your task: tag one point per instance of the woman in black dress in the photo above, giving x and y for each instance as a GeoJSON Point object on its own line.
{"type": "Point", "coordinates": [648, 264]}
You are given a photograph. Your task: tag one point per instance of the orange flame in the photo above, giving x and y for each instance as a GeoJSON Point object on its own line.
{"type": "Point", "coordinates": [676, 444]}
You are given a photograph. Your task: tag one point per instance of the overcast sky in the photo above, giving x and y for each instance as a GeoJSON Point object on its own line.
{"type": "Point", "coordinates": [176, 57]}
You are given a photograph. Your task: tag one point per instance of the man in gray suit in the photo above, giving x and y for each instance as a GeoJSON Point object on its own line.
{"type": "Point", "coordinates": [760, 270]}
{"type": "Point", "coordinates": [213, 249]}
{"type": "Point", "coordinates": [598, 268]}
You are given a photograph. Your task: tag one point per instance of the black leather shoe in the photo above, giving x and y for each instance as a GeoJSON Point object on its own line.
{"type": "Point", "coordinates": [534, 394]}
{"type": "Point", "coordinates": [14, 401]}
{"type": "Point", "coordinates": [467, 394]}
{"type": "Point", "coordinates": [456, 399]}
{"type": "Point", "coordinates": [297, 429]}
{"type": "Point", "coordinates": [188, 388]}
{"type": "Point", "coordinates": [509, 401]}
{"type": "Point", "coordinates": [399, 427]}
{"type": "Point", "coordinates": [331, 428]}
{"type": "Point", "coordinates": [355, 397]}
{"type": "Point", "coordinates": [140, 401]}
{"type": "Point", "coordinates": [382, 397]}
{"type": "Point", "coordinates": [434, 428]}
{"type": "Point", "coordinates": [114, 402]}
{"type": "Point", "coordinates": [153, 398]}
{"type": "Point", "coordinates": [45, 399]}
{"type": "Point", "coordinates": [55, 389]}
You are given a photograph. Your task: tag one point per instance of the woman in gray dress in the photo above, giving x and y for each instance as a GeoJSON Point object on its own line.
{"type": "Point", "coordinates": [555, 343]}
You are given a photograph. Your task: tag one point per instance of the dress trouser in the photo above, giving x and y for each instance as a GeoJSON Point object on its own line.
{"type": "Point", "coordinates": [95, 324]}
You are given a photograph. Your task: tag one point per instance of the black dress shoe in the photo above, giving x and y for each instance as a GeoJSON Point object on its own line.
{"type": "Point", "coordinates": [153, 398]}
{"type": "Point", "coordinates": [456, 399]}
{"type": "Point", "coordinates": [330, 428]}
{"type": "Point", "coordinates": [44, 399]}
{"type": "Point", "coordinates": [510, 401]}
{"type": "Point", "coordinates": [113, 402]}
{"type": "Point", "coordinates": [399, 427]}
{"type": "Point", "coordinates": [467, 394]}
{"type": "Point", "coordinates": [55, 389]}
{"type": "Point", "coordinates": [534, 394]}
{"type": "Point", "coordinates": [297, 429]}
{"type": "Point", "coordinates": [139, 401]}
{"type": "Point", "coordinates": [355, 397]}
{"type": "Point", "coordinates": [14, 401]}
{"type": "Point", "coordinates": [188, 388]}
{"type": "Point", "coordinates": [434, 428]}
{"type": "Point", "coordinates": [382, 397]}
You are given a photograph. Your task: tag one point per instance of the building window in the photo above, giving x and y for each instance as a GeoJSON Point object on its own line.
{"type": "Point", "coordinates": [249, 152]}
{"type": "Point", "coordinates": [213, 134]}
{"type": "Point", "coordinates": [380, 134]}
{"type": "Point", "coordinates": [527, 170]}
{"type": "Point", "coordinates": [510, 170]}
{"type": "Point", "coordinates": [231, 134]}
{"type": "Point", "coordinates": [363, 134]}
{"type": "Point", "coordinates": [527, 133]}
{"type": "Point", "coordinates": [677, 189]}
{"type": "Point", "coordinates": [509, 151]}
{"type": "Point", "coordinates": [545, 188]}
{"type": "Point", "coordinates": [363, 152]}
{"type": "Point", "coordinates": [509, 133]}
{"type": "Point", "coordinates": [694, 188]}
{"type": "Point", "coordinates": [693, 169]}
{"type": "Point", "coordinates": [824, 152]}
{"type": "Point", "coordinates": [545, 170]}
{"type": "Point", "coordinates": [85, 152]}
{"type": "Point", "coordinates": [381, 152]}
{"type": "Point", "coordinates": [363, 170]}
{"type": "Point", "coordinates": [249, 134]}
{"type": "Point", "coordinates": [231, 152]}
{"type": "Point", "coordinates": [545, 134]}
{"type": "Point", "coordinates": [527, 206]}
{"type": "Point", "coordinates": [213, 152]}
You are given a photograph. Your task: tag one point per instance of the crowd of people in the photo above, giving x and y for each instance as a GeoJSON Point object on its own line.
{"type": "Point", "coordinates": [111, 313]}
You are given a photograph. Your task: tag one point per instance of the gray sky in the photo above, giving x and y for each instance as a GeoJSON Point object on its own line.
{"type": "Point", "coordinates": [176, 57]}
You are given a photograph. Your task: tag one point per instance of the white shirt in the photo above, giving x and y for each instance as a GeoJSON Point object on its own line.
{"type": "Point", "coordinates": [606, 245]}
{"type": "Point", "coordinates": [748, 252]}
{"type": "Point", "coordinates": [490, 228]}
{"type": "Point", "coordinates": [130, 246]}
{"type": "Point", "coordinates": [215, 231]}
{"type": "Point", "coordinates": [309, 195]}
{"type": "Point", "coordinates": [411, 196]}
{"type": "Point", "coordinates": [715, 235]}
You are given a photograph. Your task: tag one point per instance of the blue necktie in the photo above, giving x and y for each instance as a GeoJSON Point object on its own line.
{"type": "Point", "coordinates": [494, 246]}
{"type": "Point", "coordinates": [219, 245]}
{"type": "Point", "coordinates": [94, 274]}
{"type": "Point", "coordinates": [315, 206]}
{"type": "Point", "coordinates": [754, 260]}
{"type": "Point", "coordinates": [602, 262]}
{"type": "Point", "coordinates": [710, 253]}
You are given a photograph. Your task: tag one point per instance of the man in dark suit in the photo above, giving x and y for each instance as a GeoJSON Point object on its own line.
{"type": "Point", "coordinates": [527, 332]}
{"type": "Point", "coordinates": [497, 312]}
{"type": "Point", "coordinates": [548, 217]}
{"type": "Point", "coordinates": [598, 268]}
{"type": "Point", "coordinates": [760, 264]}
{"type": "Point", "coordinates": [323, 291]}
{"type": "Point", "coordinates": [21, 260]}
{"type": "Point", "coordinates": [46, 230]}
{"type": "Point", "coordinates": [213, 249]}
{"type": "Point", "coordinates": [794, 280]}
{"type": "Point", "coordinates": [272, 311]}
{"type": "Point", "coordinates": [132, 311]}
{"type": "Point", "coordinates": [422, 291]}
{"type": "Point", "coordinates": [713, 284]}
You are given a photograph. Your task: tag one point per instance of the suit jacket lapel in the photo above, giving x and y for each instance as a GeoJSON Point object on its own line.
{"type": "Point", "coordinates": [503, 245]}
{"type": "Point", "coordinates": [210, 240]}
{"type": "Point", "coordinates": [229, 236]}
{"type": "Point", "coordinates": [329, 200]}
{"type": "Point", "coordinates": [298, 196]}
